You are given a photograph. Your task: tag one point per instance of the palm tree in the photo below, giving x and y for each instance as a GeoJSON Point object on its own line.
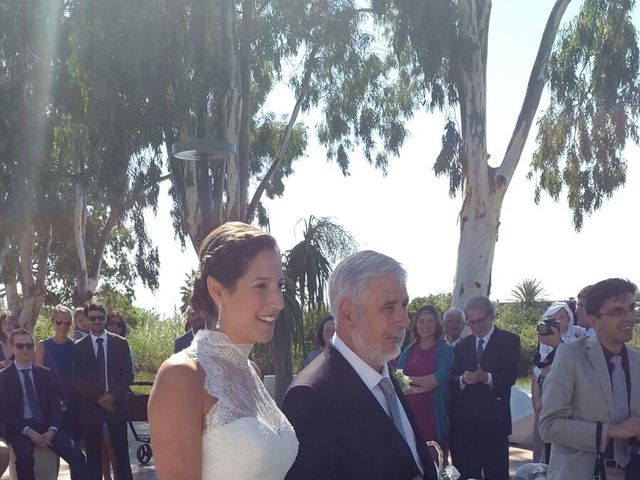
{"type": "Point", "coordinates": [307, 267]}
{"type": "Point", "coordinates": [529, 292]}
{"type": "Point", "coordinates": [185, 290]}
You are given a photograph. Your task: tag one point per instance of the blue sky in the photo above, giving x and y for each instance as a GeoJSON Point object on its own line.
{"type": "Point", "coordinates": [409, 215]}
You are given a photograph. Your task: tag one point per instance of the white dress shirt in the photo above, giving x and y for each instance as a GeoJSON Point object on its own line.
{"type": "Point", "coordinates": [371, 379]}
{"type": "Point", "coordinates": [105, 346]}
{"type": "Point", "coordinates": [485, 339]}
{"type": "Point", "coordinates": [26, 408]}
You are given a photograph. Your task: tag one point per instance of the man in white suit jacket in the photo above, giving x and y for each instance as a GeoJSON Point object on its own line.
{"type": "Point", "coordinates": [578, 392]}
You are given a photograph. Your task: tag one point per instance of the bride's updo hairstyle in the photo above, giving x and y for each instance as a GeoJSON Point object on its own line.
{"type": "Point", "coordinates": [225, 254]}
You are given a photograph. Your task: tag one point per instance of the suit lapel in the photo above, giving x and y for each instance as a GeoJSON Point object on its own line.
{"type": "Point", "coordinates": [15, 379]}
{"type": "Point", "coordinates": [364, 404]}
{"type": "Point", "coordinates": [634, 366]}
{"type": "Point", "coordinates": [599, 364]}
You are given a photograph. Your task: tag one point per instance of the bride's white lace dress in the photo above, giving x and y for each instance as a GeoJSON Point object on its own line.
{"type": "Point", "coordinates": [246, 436]}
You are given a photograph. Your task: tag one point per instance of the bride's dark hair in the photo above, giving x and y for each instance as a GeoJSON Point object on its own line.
{"type": "Point", "coordinates": [225, 255]}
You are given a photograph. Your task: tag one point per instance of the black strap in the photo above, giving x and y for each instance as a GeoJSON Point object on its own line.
{"type": "Point", "coordinates": [598, 469]}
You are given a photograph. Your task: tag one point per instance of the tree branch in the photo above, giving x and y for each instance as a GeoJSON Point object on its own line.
{"type": "Point", "coordinates": [537, 81]}
{"type": "Point", "coordinates": [42, 260]}
{"type": "Point", "coordinates": [304, 87]}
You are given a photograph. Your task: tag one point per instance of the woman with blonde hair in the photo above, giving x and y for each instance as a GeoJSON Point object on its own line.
{"type": "Point", "coordinates": [55, 354]}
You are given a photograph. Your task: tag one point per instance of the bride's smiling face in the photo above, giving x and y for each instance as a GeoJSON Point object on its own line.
{"type": "Point", "coordinates": [251, 307]}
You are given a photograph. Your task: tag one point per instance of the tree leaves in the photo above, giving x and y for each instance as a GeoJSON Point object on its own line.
{"type": "Point", "coordinates": [595, 104]}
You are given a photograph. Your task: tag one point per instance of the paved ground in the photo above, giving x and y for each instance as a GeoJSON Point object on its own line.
{"type": "Point", "coordinates": [140, 472]}
{"type": "Point", "coordinates": [148, 472]}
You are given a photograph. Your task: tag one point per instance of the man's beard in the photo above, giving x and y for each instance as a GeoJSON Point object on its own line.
{"type": "Point", "coordinates": [372, 354]}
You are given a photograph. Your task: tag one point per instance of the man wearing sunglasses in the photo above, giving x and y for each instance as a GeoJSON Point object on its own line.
{"type": "Point", "coordinates": [593, 387]}
{"type": "Point", "coordinates": [101, 373]}
{"type": "Point", "coordinates": [31, 412]}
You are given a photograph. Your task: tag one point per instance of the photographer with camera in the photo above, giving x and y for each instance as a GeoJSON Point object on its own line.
{"type": "Point", "coordinates": [591, 400]}
{"type": "Point", "coordinates": [548, 340]}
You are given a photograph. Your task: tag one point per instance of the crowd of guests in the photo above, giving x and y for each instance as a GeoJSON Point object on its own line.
{"type": "Point", "coordinates": [67, 391]}
{"type": "Point", "coordinates": [362, 406]}
{"type": "Point", "coordinates": [458, 388]}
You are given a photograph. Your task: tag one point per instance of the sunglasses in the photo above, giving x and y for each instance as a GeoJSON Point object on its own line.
{"type": "Point", "coordinates": [22, 346]}
{"type": "Point", "coordinates": [113, 323]}
{"type": "Point", "coordinates": [96, 318]}
{"type": "Point", "coordinates": [63, 322]}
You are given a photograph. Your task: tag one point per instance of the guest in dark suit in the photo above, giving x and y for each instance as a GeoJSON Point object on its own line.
{"type": "Point", "coordinates": [196, 321]}
{"type": "Point", "coordinates": [485, 367]}
{"type": "Point", "coordinates": [349, 414]}
{"type": "Point", "coordinates": [30, 410]}
{"type": "Point", "coordinates": [101, 374]}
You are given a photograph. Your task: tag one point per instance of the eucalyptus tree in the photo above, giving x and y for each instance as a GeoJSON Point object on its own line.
{"type": "Point", "coordinates": [592, 64]}
{"type": "Point", "coordinates": [109, 134]}
{"type": "Point", "coordinates": [335, 60]}
{"type": "Point", "coordinates": [29, 201]}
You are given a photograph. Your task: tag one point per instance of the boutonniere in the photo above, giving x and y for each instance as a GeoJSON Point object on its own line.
{"type": "Point", "coordinates": [403, 380]}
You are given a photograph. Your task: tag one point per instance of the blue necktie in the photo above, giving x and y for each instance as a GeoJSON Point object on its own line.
{"type": "Point", "coordinates": [390, 395]}
{"type": "Point", "coordinates": [620, 408]}
{"type": "Point", "coordinates": [38, 417]}
{"type": "Point", "coordinates": [479, 350]}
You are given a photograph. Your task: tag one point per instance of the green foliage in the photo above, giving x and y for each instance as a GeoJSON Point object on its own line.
{"type": "Point", "coordinates": [529, 292]}
{"type": "Point", "coordinates": [595, 105]}
{"type": "Point", "coordinates": [441, 301]}
{"type": "Point", "coordinates": [152, 340]}
{"type": "Point", "coordinates": [522, 321]}
{"type": "Point", "coordinates": [308, 264]}
{"type": "Point", "coordinates": [43, 328]}
{"type": "Point", "coordinates": [113, 299]}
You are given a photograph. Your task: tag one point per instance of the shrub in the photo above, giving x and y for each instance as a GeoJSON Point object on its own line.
{"type": "Point", "coordinates": [152, 341]}
{"type": "Point", "coordinates": [522, 321]}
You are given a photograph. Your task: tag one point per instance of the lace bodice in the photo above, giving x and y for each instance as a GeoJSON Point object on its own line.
{"type": "Point", "coordinates": [246, 436]}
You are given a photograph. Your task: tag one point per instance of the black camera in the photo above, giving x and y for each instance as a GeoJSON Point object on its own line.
{"type": "Point", "coordinates": [544, 327]}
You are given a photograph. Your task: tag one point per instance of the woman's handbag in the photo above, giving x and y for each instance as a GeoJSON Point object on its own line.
{"type": "Point", "coordinates": [605, 468]}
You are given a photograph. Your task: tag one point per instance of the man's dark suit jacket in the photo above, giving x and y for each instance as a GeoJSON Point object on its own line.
{"type": "Point", "coordinates": [12, 403]}
{"type": "Point", "coordinates": [343, 431]}
{"type": "Point", "coordinates": [183, 341]}
{"type": "Point", "coordinates": [478, 407]}
{"type": "Point", "coordinates": [84, 375]}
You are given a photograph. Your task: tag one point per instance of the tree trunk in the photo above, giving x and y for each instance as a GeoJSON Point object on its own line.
{"type": "Point", "coordinates": [33, 289]}
{"type": "Point", "coordinates": [230, 111]}
{"type": "Point", "coordinates": [81, 294]}
{"type": "Point", "coordinates": [485, 187]}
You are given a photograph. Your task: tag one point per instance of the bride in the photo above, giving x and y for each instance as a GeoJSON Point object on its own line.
{"type": "Point", "coordinates": [210, 417]}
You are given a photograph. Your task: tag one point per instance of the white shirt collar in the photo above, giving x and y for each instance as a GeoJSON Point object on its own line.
{"type": "Point", "coordinates": [487, 336]}
{"type": "Point", "coordinates": [369, 376]}
{"type": "Point", "coordinates": [22, 367]}
{"type": "Point", "coordinates": [104, 336]}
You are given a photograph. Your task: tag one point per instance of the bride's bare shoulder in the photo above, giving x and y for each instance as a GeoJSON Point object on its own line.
{"type": "Point", "coordinates": [181, 370]}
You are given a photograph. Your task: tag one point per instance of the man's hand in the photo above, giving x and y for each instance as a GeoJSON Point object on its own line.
{"type": "Point", "coordinates": [36, 438]}
{"type": "Point", "coordinates": [552, 340]}
{"type": "Point", "coordinates": [479, 376]}
{"type": "Point", "coordinates": [627, 429]}
{"type": "Point", "coordinates": [47, 437]}
{"type": "Point", "coordinates": [413, 390]}
{"type": "Point", "coordinates": [107, 401]}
